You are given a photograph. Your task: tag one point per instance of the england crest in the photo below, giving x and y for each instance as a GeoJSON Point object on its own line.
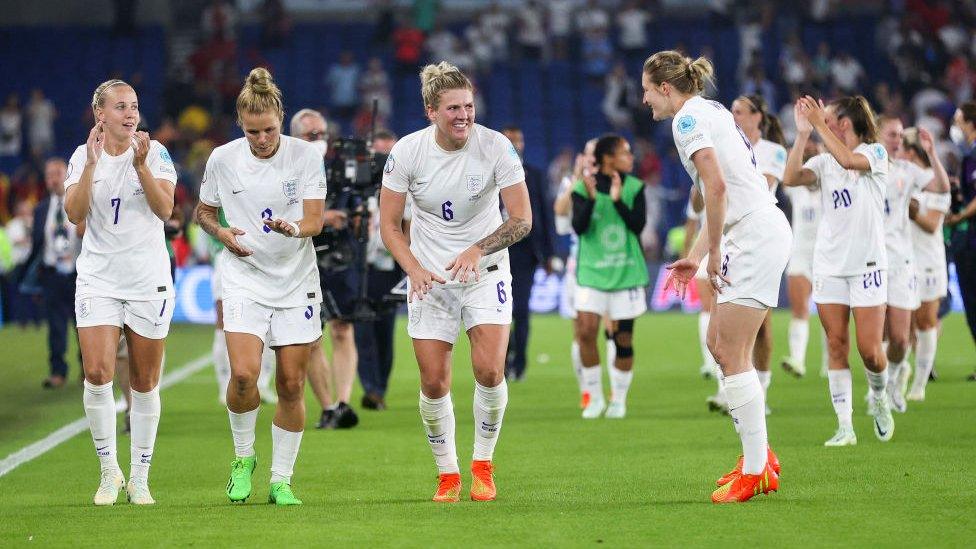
{"type": "Point", "coordinates": [290, 188]}
{"type": "Point", "coordinates": [474, 184]}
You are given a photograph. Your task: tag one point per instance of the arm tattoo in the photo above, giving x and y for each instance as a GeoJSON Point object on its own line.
{"type": "Point", "coordinates": [207, 219]}
{"type": "Point", "coordinates": [510, 232]}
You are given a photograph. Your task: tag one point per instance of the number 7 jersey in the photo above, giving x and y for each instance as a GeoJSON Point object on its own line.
{"type": "Point", "coordinates": [851, 235]}
{"type": "Point", "coordinates": [123, 252]}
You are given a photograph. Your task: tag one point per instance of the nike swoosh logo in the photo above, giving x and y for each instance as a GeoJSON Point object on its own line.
{"type": "Point", "coordinates": [144, 456]}
{"type": "Point", "coordinates": [237, 192]}
{"type": "Point", "coordinates": [97, 449]}
{"type": "Point", "coordinates": [878, 426]}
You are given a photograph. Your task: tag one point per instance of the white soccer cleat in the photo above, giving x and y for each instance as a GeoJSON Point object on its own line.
{"type": "Point", "coordinates": [717, 403]}
{"type": "Point", "coordinates": [109, 486]}
{"type": "Point", "coordinates": [916, 394]}
{"type": "Point", "coordinates": [137, 492]}
{"type": "Point", "coordinates": [843, 437]}
{"type": "Point", "coordinates": [595, 408]}
{"type": "Point", "coordinates": [896, 400]}
{"type": "Point", "coordinates": [268, 395]}
{"type": "Point", "coordinates": [795, 368]}
{"type": "Point", "coordinates": [616, 410]}
{"type": "Point", "coordinates": [884, 423]}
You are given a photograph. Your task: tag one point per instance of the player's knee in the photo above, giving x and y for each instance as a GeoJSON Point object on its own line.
{"type": "Point", "coordinates": [623, 339]}
{"type": "Point", "coordinates": [435, 388]}
{"type": "Point", "coordinates": [872, 355]}
{"type": "Point", "coordinates": [341, 331]}
{"type": "Point", "coordinates": [290, 388]}
{"type": "Point", "coordinates": [242, 381]}
{"type": "Point", "coordinates": [897, 343]}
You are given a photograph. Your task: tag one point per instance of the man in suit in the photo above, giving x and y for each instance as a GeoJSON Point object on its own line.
{"type": "Point", "coordinates": [55, 245]}
{"type": "Point", "coordinates": [526, 256]}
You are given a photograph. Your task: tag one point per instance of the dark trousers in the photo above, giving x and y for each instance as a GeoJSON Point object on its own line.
{"type": "Point", "coordinates": [966, 273]}
{"type": "Point", "coordinates": [59, 307]}
{"type": "Point", "coordinates": [523, 277]}
{"type": "Point", "coordinates": [375, 340]}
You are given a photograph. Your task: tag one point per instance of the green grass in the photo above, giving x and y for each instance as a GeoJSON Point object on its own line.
{"type": "Point", "coordinates": [562, 481]}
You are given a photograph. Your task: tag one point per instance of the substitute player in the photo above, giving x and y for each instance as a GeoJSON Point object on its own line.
{"type": "Point", "coordinates": [850, 265]}
{"type": "Point", "coordinates": [457, 263]}
{"type": "Point", "coordinates": [121, 184]}
{"type": "Point", "coordinates": [747, 239]}
{"type": "Point", "coordinates": [271, 188]}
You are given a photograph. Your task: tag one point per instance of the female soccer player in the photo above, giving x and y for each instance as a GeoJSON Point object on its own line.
{"type": "Point", "coordinates": [905, 178]}
{"type": "Point", "coordinates": [121, 185]}
{"type": "Point", "coordinates": [457, 263]}
{"type": "Point", "coordinates": [747, 239]}
{"type": "Point", "coordinates": [850, 264]}
{"type": "Point", "coordinates": [609, 214]}
{"type": "Point", "coordinates": [927, 212]}
{"type": "Point", "coordinates": [763, 131]}
{"type": "Point", "coordinates": [271, 188]}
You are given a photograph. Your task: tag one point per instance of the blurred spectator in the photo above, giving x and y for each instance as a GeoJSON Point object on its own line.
{"type": "Point", "coordinates": [531, 33]}
{"type": "Point", "coordinates": [17, 306]}
{"type": "Point", "coordinates": [632, 27]}
{"type": "Point", "coordinates": [375, 84]}
{"type": "Point", "coordinates": [481, 50]}
{"type": "Point", "coordinates": [385, 23]}
{"type": "Point", "coordinates": [40, 124]}
{"type": "Point", "coordinates": [496, 24]}
{"type": "Point", "coordinates": [794, 63]}
{"type": "Point", "coordinates": [592, 19]}
{"type": "Point", "coordinates": [560, 167]}
{"type": "Point", "coordinates": [619, 99]}
{"type": "Point", "coordinates": [19, 232]}
{"type": "Point", "coordinates": [441, 44]}
{"type": "Point", "coordinates": [275, 24]}
{"type": "Point", "coordinates": [11, 123]}
{"type": "Point", "coordinates": [846, 73]}
{"type": "Point", "coordinates": [424, 14]}
{"type": "Point", "coordinates": [559, 24]}
{"type": "Point", "coordinates": [821, 65]}
{"type": "Point", "coordinates": [757, 84]}
{"type": "Point", "coordinates": [597, 54]}
{"type": "Point", "coordinates": [342, 81]}
{"type": "Point", "coordinates": [219, 21]}
{"type": "Point", "coordinates": [408, 46]}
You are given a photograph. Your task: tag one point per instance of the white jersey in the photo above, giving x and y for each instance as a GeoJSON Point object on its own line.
{"type": "Point", "coordinates": [281, 272]}
{"type": "Point", "coordinates": [929, 247]}
{"type": "Point", "coordinates": [770, 160]}
{"type": "Point", "coordinates": [123, 253]}
{"type": "Point", "coordinates": [904, 180]}
{"type": "Point", "coordinates": [807, 208]}
{"type": "Point", "coordinates": [851, 238]}
{"type": "Point", "coordinates": [702, 124]}
{"type": "Point", "coordinates": [455, 193]}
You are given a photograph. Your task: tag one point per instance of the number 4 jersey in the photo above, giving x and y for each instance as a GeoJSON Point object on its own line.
{"type": "Point", "coordinates": [281, 272]}
{"type": "Point", "coordinates": [455, 193]}
{"type": "Point", "coordinates": [851, 235]}
{"type": "Point", "coordinates": [123, 253]}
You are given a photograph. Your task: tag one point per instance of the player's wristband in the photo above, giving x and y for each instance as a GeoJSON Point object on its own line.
{"type": "Point", "coordinates": [298, 231]}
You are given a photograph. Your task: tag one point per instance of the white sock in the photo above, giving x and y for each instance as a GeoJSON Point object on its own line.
{"type": "Point", "coordinates": [574, 355]}
{"type": "Point", "coordinates": [267, 369]}
{"type": "Point", "coordinates": [99, 403]}
{"type": "Point", "coordinates": [438, 417]}
{"type": "Point", "coordinates": [221, 362]}
{"type": "Point", "coordinates": [489, 409]}
{"type": "Point", "coordinates": [593, 381]}
{"type": "Point", "coordinates": [841, 395]}
{"type": "Point", "coordinates": [894, 370]}
{"type": "Point", "coordinates": [284, 452]}
{"type": "Point", "coordinates": [877, 381]}
{"type": "Point", "coordinates": [242, 427]}
{"type": "Point", "coordinates": [703, 319]}
{"type": "Point", "coordinates": [611, 353]}
{"type": "Point", "coordinates": [144, 420]}
{"type": "Point", "coordinates": [747, 405]}
{"type": "Point", "coordinates": [928, 341]}
{"type": "Point", "coordinates": [765, 378]}
{"type": "Point", "coordinates": [798, 338]}
{"type": "Point", "coordinates": [620, 384]}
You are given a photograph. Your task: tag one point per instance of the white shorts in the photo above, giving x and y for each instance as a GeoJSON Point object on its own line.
{"type": "Point", "coordinates": [902, 287]}
{"type": "Point", "coordinates": [275, 326]}
{"type": "Point", "coordinates": [443, 310]}
{"type": "Point", "coordinates": [567, 300]}
{"type": "Point", "coordinates": [801, 263]}
{"type": "Point", "coordinates": [932, 282]}
{"type": "Point", "coordinates": [150, 319]}
{"type": "Point", "coordinates": [755, 252]}
{"type": "Point", "coordinates": [864, 290]}
{"type": "Point", "coordinates": [618, 305]}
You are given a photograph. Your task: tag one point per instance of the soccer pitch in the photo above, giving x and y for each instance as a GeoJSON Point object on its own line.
{"type": "Point", "coordinates": [562, 481]}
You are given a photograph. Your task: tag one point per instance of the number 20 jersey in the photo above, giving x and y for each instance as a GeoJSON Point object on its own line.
{"type": "Point", "coordinates": [851, 235]}
{"type": "Point", "coordinates": [454, 193]}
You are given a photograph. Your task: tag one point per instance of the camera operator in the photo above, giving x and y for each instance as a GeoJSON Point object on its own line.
{"type": "Point", "coordinates": [375, 338]}
{"type": "Point", "coordinates": [342, 284]}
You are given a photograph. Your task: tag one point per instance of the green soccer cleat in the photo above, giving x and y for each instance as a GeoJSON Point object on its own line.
{"type": "Point", "coordinates": [239, 485]}
{"type": "Point", "coordinates": [281, 494]}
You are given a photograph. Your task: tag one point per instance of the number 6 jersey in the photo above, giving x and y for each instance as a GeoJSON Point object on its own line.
{"type": "Point", "coordinates": [123, 252]}
{"type": "Point", "coordinates": [454, 193]}
{"type": "Point", "coordinates": [281, 272]}
{"type": "Point", "coordinates": [851, 235]}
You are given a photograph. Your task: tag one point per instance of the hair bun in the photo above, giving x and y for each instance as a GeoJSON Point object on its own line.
{"type": "Point", "coordinates": [259, 80]}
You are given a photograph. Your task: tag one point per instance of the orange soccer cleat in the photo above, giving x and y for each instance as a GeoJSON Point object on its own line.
{"type": "Point", "coordinates": [584, 400]}
{"type": "Point", "coordinates": [448, 488]}
{"type": "Point", "coordinates": [770, 458]}
{"type": "Point", "coordinates": [743, 487]}
{"type": "Point", "coordinates": [482, 481]}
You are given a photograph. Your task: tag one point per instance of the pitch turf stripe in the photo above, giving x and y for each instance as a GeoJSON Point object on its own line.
{"type": "Point", "coordinates": [80, 425]}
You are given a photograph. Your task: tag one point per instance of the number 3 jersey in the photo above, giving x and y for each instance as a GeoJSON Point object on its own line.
{"type": "Point", "coordinates": [123, 252]}
{"type": "Point", "coordinates": [454, 193]}
{"type": "Point", "coordinates": [702, 124]}
{"type": "Point", "coordinates": [281, 272]}
{"type": "Point", "coordinates": [851, 235]}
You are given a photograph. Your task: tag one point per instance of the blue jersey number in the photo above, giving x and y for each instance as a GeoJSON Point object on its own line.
{"type": "Point", "coordinates": [266, 214]}
{"type": "Point", "coordinates": [446, 212]}
{"type": "Point", "coordinates": [842, 198]}
{"type": "Point", "coordinates": [502, 296]}
{"type": "Point", "coordinates": [116, 202]}
{"type": "Point", "coordinates": [871, 280]}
